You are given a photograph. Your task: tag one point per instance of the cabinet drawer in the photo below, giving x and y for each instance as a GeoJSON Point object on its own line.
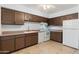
{"type": "Point", "coordinates": [7, 37]}
{"type": "Point", "coordinates": [32, 34]}
{"type": "Point", "coordinates": [20, 35]}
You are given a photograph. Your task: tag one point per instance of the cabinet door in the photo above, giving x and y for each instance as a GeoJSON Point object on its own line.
{"type": "Point", "coordinates": [56, 36]}
{"type": "Point", "coordinates": [38, 19]}
{"type": "Point", "coordinates": [41, 37]}
{"type": "Point", "coordinates": [7, 44]}
{"type": "Point", "coordinates": [33, 18]}
{"type": "Point", "coordinates": [20, 43]}
{"type": "Point", "coordinates": [41, 19]}
{"type": "Point", "coordinates": [19, 18]}
{"type": "Point", "coordinates": [7, 16]}
{"type": "Point", "coordinates": [56, 21]}
{"type": "Point", "coordinates": [27, 17]}
{"type": "Point", "coordinates": [31, 39]}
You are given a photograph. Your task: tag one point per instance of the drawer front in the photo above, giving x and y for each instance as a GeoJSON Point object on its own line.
{"type": "Point", "coordinates": [7, 37]}
{"type": "Point", "coordinates": [32, 34]}
{"type": "Point", "coordinates": [20, 35]}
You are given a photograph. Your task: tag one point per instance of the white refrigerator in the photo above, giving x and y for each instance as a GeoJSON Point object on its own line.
{"type": "Point", "coordinates": [71, 33]}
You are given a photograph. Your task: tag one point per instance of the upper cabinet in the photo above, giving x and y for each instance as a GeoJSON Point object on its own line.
{"type": "Point", "coordinates": [19, 17]}
{"type": "Point", "coordinates": [58, 21]}
{"type": "Point", "coordinates": [7, 16]}
{"type": "Point", "coordinates": [27, 17]}
{"type": "Point", "coordinates": [34, 18]}
{"type": "Point", "coordinates": [55, 21]}
{"type": "Point", "coordinates": [11, 17]}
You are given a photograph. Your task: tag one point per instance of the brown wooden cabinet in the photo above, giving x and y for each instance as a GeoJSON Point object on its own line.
{"type": "Point", "coordinates": [7, 44]}
{"type": "Point", "coordinates": [20, 42]}
{"type": "Point", "coordinates": [27, 17]}
{"type": "Point", "coordinates": [55, 21]}
{"type": "Point", "coordinates": [19, 17]}
{"type": "Point", "coordinates": [58, 21]}
{"type": "Point", "coordinates": [16, 42]}
{"type": "Point", "coordinates": [7, 16]}
{"type": "Point", "coordinates": [38, 19]}
{"type": "Point", "coordinates": [31, 39]}
{"type": "Point", "coordinates": [56, 36]}
{"type": "Point", "coordinates": [34, 18]}
{"type": "Point", "coordinates": [11, 17]}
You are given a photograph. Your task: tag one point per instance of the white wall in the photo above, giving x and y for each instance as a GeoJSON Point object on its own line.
{"type": "Point", "coordinates": [34, 26]}
{"type": "Point", "coordinates": [15, 27]}
{"type": "Point", "coordinates": [65, 12]}
{"type": "Point", "coordinates": [0, 19]}
{"type": "Point", "coordinates": [26, 26]}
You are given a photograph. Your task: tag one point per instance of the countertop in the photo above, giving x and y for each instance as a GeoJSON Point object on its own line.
{"type": "Point", "coordinates": [9, 33]}
{"type": "Point", "coordinates": [56, 31]}
{"type": "Point", "coordinates": [55, 28]}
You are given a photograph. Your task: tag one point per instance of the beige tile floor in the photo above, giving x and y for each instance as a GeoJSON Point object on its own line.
{"type": "Point", "coordinates": [49, 47]}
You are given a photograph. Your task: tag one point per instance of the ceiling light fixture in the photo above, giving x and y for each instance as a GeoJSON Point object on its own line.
{"type": "Point", "coordinates": [46, 7]}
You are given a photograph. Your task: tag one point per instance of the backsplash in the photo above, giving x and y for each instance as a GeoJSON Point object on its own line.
{"type": "Point", "coordinates": [0, 20]}
{"type": "Point", "coordinates": [26, 26]}
{"type": "Point", "coordinates": [14, 27]}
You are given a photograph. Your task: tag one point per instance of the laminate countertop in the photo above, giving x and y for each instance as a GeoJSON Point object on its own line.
{"type": "Point", "coordinates": [9, 33]}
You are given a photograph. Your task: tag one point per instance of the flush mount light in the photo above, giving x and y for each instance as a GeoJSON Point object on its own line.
{"type": "Point", "coordinates": [47, 6]}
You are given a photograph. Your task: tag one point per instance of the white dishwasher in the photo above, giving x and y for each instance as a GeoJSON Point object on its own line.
{"type": "Point", "coordinates": [43, 36]}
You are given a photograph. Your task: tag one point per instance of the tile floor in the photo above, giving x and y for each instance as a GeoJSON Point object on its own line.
{"type": "Point", "coordinates": [49, 47]}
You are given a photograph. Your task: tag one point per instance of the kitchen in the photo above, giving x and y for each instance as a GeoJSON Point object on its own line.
{"type": "Point", "coordinates": [23, 27]}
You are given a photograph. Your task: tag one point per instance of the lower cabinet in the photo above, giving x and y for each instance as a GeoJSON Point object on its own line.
{"type": "Point", "coordinates": [31, 39]}
{"type": "Point", "coordinates": [56, 36]}
{"type": "Point", "coordinates": [19, 42]}
{"type": "Point", "coordinates": [16, 42]}
{"type": "Point", "coordinates": [7, 44]}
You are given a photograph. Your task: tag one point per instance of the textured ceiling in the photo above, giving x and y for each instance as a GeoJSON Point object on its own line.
{"type": "Point", "coordinates": [58, 7]}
